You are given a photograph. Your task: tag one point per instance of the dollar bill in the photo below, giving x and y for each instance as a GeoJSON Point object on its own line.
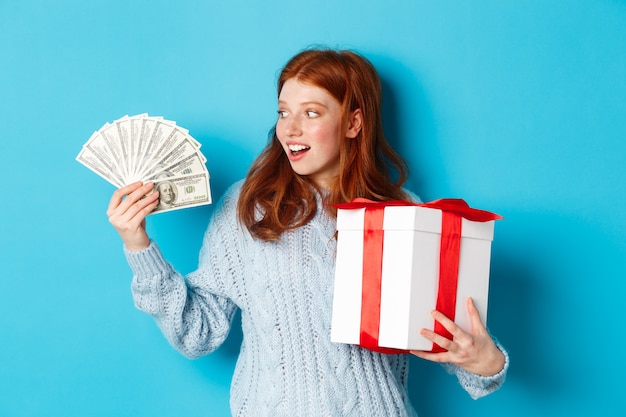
{"type": "Point", "coordinates": [91, 161]}
{"type": "Point", "coordinates": [192, 164]}
{"type": "Point", "coordinates": [147, 128]}
{"type": "Point", "coordinates": [113, 145]}
{"type": "Point", "coordinates": [177, 193]}
{"type": "Point", "coordinates": [136, 127]}
{"type": "Point", "coordinates": [123, 133]}
{"type": "Point", "coordinates": [182, 150]}
{"type": "Point", "coordinates": [176, 145]}
{"type": "Point", "coordinates": [160, 131]}
{"type": "Point", "coordinates": [95, 156]}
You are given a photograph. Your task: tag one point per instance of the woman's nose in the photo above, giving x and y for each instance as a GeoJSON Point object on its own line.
{"type": "Point", "coordinates": [293, 126]}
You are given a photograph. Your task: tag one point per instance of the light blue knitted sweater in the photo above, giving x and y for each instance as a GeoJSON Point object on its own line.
{"type": "Point", "coordinates": [287, 365]}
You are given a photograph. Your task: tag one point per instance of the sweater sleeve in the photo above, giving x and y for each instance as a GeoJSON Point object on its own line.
{"type": "Point", "coordinates": [478, 386]}
{"type": "Point", "coordinates": [193, 312]}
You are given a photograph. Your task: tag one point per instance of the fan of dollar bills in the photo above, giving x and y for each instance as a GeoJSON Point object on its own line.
{"type": "Point", "coordinates": [147, 148]}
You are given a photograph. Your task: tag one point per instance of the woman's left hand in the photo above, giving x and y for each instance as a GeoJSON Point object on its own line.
{"type": "Point", "coordinates": [475, 352]}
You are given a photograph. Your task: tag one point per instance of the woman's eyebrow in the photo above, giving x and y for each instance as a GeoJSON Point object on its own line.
{"type": "Point", "coordinates": [306, 103]}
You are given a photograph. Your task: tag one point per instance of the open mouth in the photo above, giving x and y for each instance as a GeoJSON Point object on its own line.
{"type": "Point", "coordinates": [296, 149]}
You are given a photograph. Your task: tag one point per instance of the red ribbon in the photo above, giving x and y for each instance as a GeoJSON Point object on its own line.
{"type": "Point", "coordinates": [373, 239]}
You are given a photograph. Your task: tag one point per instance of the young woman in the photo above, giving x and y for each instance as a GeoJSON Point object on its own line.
{"type": "Point", "coordinates": [270, 251]}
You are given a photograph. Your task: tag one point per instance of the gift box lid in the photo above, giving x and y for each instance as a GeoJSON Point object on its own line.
{"type": "Point", "coordinates": [350, 219]}
{"type": "Point", "coordinates": [412, 218]}
{"type": "Point", "coordinates": [425, 219]}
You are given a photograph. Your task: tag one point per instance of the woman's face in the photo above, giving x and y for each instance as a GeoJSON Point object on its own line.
{"type": "Point", "coordinates": [309, 128]}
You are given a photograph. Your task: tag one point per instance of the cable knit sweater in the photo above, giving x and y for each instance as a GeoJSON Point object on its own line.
{"type": "Point", "coordinates": [287, 365]}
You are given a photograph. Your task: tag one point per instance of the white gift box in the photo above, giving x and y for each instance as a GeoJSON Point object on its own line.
{"type": "Point", "coordinates": [409, 275]}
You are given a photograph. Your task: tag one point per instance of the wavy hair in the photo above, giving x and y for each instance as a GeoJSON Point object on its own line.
{"type": "Point", "coordinates": [274, 198]}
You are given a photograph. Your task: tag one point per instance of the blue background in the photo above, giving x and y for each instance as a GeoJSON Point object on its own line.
{"type": "Point", "coordinates": [517, 107]}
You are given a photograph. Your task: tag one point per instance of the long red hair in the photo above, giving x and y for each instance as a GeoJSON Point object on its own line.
{"type": "Point", "coordinates": [274, 198]}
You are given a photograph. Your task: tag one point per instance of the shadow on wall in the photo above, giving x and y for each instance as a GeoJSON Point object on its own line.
{"type": "Point", "coordinates": [407, 120]}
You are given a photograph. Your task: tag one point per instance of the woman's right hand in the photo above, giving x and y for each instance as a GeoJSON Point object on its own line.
{"type": "Point", "coordinates": [127, 212]}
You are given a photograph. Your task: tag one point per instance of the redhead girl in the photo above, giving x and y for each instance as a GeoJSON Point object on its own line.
{"type": "Point", "coordinates": [269, 251]}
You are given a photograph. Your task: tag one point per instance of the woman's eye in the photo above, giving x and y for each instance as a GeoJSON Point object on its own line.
{"type": "Point", "coordinates": [282, 114]}
{"type": "Point", "coordinates": [311, 113]}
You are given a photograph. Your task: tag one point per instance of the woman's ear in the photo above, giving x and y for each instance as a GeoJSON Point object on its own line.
{"type": "Point", "coordinates": [355, 121]}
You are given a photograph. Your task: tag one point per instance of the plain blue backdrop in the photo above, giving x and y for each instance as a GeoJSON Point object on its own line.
{"type": "Point", "coordinates": [517, 107]}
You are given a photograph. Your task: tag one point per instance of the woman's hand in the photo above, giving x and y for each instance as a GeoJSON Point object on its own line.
{"type": "Point", "coordinates": [127, 212]}
{"type": "Point", "coordinates": [475, 352]}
